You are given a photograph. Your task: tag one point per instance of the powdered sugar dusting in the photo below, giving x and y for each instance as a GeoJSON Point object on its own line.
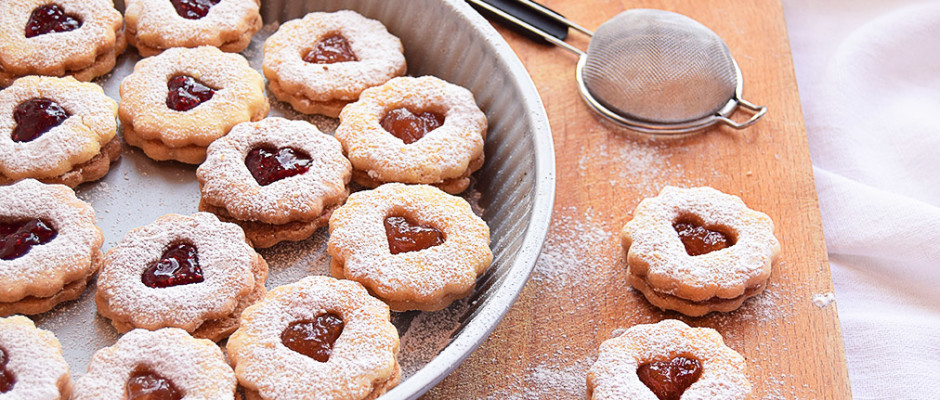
{"type": "Point", "coordinates": [823, 300]}
{"type": "Point", "coordinates": [34, 357]}
{"type": "Point", "coordinates": [157, 25]}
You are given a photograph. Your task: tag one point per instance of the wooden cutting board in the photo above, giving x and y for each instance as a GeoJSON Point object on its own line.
{"type": "Point", "coordinates": [579, 296]}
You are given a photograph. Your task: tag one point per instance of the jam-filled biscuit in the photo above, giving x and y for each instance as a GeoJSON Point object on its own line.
{"type": "Point", "coordinates": [186, 271]}
{"type": "Point", "coordinates": [324, 61]}
{"type": "Point", "coordinates": [177, 103]}
{"type": "Point", "coordinates": [698, 250]}
{"type": "Point", "coordinates": [413, 246]}
{"type": "Point", "coordinates": [414, 130]}
{"type": "Point", "coordinates": [161, 364]}
{"type": "Point", "coordinates": [31, 362]}
{"type": "Point", "coordinates": [277, 179]}
{"type": "Point", "coordinates": [318, 335]}
{"type": "Point", "coordinates": [157, 25]}
{"type": "Point", "coordinates": [667, 361]}
{"type": "Point", "coordinates": [50, 246]}
{"type": "Point", "coordinates": [57, 130]}
{"type": "Point", "coordinates": [81, 38]}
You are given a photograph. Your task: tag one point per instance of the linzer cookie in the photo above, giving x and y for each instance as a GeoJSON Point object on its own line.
{"type": "Point", "coordinates": [191, 272]}
{"type": "Point", "coordinates": [413, 246]}
{"type": "Point", "coordinates": [667, 361]}
{"type": "Point", "coordinates": [31, 362]}
{"type": "Point", "coordinates": [414, 130]}
{"type": "Point", "coordinates": [318, 335]}
{"type": "Point", "coordinates": [56, 130]}
{"type": "Point", "coordinates": [324, 61]}
{"type": "Point", "coordinates": [177, 103]}
{"type": "Point", "coordinates": [157, 25]}
{"type": "Point", "coordinates": [166, 364]}
{"type": "Point", "coordinates": [49, 246]}
{"type": "Point", "coordinates": [698, 250]}
{"type": "Point", "coordinates": [81, 38]}
{"type": "Point", "coordinates": [278, 179]}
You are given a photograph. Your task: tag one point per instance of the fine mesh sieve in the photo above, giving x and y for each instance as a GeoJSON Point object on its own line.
{"type": "Point", "coordinates": [654, 71]}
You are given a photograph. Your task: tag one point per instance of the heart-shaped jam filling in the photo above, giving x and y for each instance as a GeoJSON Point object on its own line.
{"type": "Point", "coordinates": [330, 50]}
{"type": "Point", "coordinates": [6, 377]}
{"type": "Point", "coordinates": [179, 265]}
{"type": "Point", "coordinates": [411, 127]}
{"type": "Point", "coordinates": [36, 116]}
{"type": "Point", "coordinates": [186, 92]}
{"type": "Point", "coordinates": [148, 385]}
{"type": "Point", "coordinates": [669, 379]}
{"type": "Point", "coordinates": [700, 240]}
{"type": "Point", "coordinates": [193, 9]}
{"type": "Point", "coordinates": [19, 236]}
{"type": "Point", "coordinates": [269, 164]}
{"type": "Point", "coordinates": [314, 338]}
{"type": "Point", "coordinates": [51, 18]}
{"type": "Point", "coordinates": [406, 235]}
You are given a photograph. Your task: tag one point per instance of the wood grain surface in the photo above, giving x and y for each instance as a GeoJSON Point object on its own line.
{"type": "Point", "coordinates": [579, 295]}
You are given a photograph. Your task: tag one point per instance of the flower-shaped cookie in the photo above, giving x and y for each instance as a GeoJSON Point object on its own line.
{"type": "Point", "coordinates": [161, 364]}
{"type": "Point", "coordinates": [698, 250]}
{"type": "Point", "coordinates": [157, 25]}
{"type": "Point", "coordinates": [278, 179]}
{"type": "Point", "coordinates": [57, 130]}
{"type": "Point", "coordinates": [81, 38]}
{"type": "Point", "coordinates": [318, 335]}
{"type": "Point", "coordinates": [191, 272]}
{"type": "Point", "coordinates": [413, 246]}
{"type": "Point", "coordinates": [414, 130]}
{"type": "Point", "coordinates": [51, 246]}
{"type": "Point", "coordinates": [665, 361]}
{"type": "Point", "coordinates": [31, 362]}
{"type": "Point", "coordinates": [324, 61]}
{"type": "Point", "coordinates": [177, 103]}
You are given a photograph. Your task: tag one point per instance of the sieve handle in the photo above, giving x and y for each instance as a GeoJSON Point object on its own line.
{"type": "Point", "coordinates": [756, 113]}
{"type": "Point", "coordinates": [529, 19]}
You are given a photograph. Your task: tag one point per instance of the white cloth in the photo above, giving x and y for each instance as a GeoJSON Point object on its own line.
{"type": "Point", "coordinates": [869, 78]}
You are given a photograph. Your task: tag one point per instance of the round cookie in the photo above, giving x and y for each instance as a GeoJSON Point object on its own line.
{"type": "Point", "coordinates": [191, 272]}
{"type": "Point", "coordinates": [177, 103]}
{"type": "Point", "coordinates": [414, 130]}
{"type": "Point", "coordinates": [318, 335]}
{"type": "Point", "coordinates": [31, 362]}
{"type": "Point", "coordinates": [413, 246]}
{"type": "Point", "coordinates": [156, 25]}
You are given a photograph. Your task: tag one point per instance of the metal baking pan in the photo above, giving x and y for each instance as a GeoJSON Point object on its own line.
{"type": "Point", "coordinates": [513, 192]}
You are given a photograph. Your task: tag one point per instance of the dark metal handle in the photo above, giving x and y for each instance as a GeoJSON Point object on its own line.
{"type": "Point", "coordinates": [529, 12]}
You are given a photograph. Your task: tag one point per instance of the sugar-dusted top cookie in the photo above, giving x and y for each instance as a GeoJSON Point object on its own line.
{"type": "Point", "coordinates": [31, 362]}
{"type": "Point", "coordinates": [156, 25]}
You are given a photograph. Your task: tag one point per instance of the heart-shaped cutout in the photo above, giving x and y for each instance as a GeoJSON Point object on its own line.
{"type": "Point", "coordinates": [330, 50]}
{"type": "Point", "coordinates": [50, 18]}
{"type": "Point", "coordinates": [699, 239]}
{"type": "Point", "coordinates": [193, 9]}
{"type": "Point", "coordinates": [314, 338]}
{"type": "Point", "coordinates": [411, 127]}
{"type": "Point", "coordinates": [269, 164]}
{"type": "Point", "coordinates": [406, 235]}
{"type": "Point", "coordinates": [35, 117]}
{"type": "Point", "coordinates": [186, 92]}
{"type": "Point", "coordinates": [6, 377]}
{"type": "Point", "coordinates": [18, 237]}
{"type": "Point", "coordinates": [669, 379]}
{"type": "Point", "coordinates": [179, 265]}
{"type": "Point", "coordinates": [148, 385]}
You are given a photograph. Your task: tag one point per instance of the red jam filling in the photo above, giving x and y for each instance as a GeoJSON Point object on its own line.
{"type": "Point", "coordinates": [193, 9]}
{"type": "Point", "coordinates": [669, 379]}
{"type": "Point", "coordinates": [147, 385]}
{"type": "Point", "coordinates": [6, 377]}
{"type": "Point", "coordinates": [50, 18]}
{"type": "Point", "coordinates": [269, 164]}
{"type": "Point", "coordinates": [410, 127]}
{"type": "Point", "coordinates": [34, 117]}
{"type": "Point", "coordinates": [330, 50]}
{"type": "Point", "coordinates": [700, 240]}
{"type": "Point", "coordinates": [18, 237]}
{"type": "Point", "coordinates": [406, 235]}
{"type": "Point", "coordinates": [179, 265]}
{"type": "Point", "coordinates": [185, 93]}
{"type": "Point", "coordinates": [314, 338]}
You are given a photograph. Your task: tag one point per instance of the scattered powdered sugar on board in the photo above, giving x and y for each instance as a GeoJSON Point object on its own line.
{"type": "Point", "coordinates": [823, 300]}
